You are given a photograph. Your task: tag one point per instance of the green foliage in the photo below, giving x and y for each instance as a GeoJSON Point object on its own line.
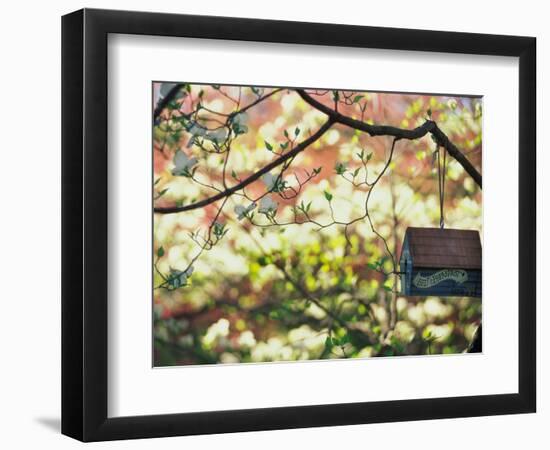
{"type": "Point", "coordinates": [340, 168]}
{"type": "Point", "coordinates": [219, 230]}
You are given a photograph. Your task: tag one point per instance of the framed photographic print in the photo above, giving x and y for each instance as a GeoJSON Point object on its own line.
{"type": "Point", "coordinates": [274, 224]}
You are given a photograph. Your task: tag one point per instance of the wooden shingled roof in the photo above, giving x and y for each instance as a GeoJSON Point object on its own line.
{"type": "Point", "coordinates": [445, 248]}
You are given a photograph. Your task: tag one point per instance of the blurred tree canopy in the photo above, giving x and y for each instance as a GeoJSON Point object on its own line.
{"type": "Point", "coordinates": [279, 215]}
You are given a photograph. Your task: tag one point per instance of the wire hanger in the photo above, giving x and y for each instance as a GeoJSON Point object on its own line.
{"type": "Point", "coordinates": [441, 172]}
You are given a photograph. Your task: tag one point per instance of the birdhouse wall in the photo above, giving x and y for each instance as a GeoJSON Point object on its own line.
{"type": "Point", "coordinates": [442, 282]}
{"type": "Point", "coordinates": [458, 275]}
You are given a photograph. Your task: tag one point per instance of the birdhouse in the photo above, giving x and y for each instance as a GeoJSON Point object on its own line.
{"type": "Point", "coordinates": [441, 262]}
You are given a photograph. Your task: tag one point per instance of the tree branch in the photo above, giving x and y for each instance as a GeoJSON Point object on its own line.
{"type": "Point", "coordinates": [255, 176]}
{"type": "Point", "coordinates": [165, 100]}
{"type": "Point", "coordinates": [385, 130]}
{"type": "Point", "coordinates": [400, 133]}
{"type": "Point", "coordinates": [258, 100]}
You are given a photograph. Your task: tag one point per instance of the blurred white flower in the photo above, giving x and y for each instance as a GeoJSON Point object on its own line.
{"type": "Point", "coordinates": [267, 205]}
{"type": "Point", "coordinates": [452, 103]}
{"type": "Point", "coordinates": [183, 164]}
{"type": "Point", "coordinates": [217, 330]}
{"type": "Point", "coordinates": [242, 211]}
{"type": "Point", "coordinates": [247, 339]}
{"type": "Point", "coordinates": [229, 358]}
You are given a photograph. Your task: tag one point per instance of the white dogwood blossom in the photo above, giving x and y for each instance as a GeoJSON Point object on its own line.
{"type": "Point", "coordinates": [218, 135]}
{"type": "Point", "coordinates": [270, 181]}
{"type": "Point", "coordinates": [197, 130]}
{"type": "Point", "coordinates": [178, 278]}
{"type": "Point", "coordinates": [267, 205]}
{"type": "Point", "coordinates": [183, 164]}
{"type": "Point", "coordinates": [240, 118]}
{"type": "Point", "coordinates": [242, 211]}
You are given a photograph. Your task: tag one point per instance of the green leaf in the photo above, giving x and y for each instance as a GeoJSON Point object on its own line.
{"type": "Point", "coordinates": [157, 181]}
{"type": "Point", "coordinates": [357, 98]}
{"type": "Point", "coordinates": [372, 266]}
{"type": "Point", "coordinates": [429, 112]}
{"type": "Point", "coordinates": [160, 252]}
{"type": "Point", "coordinates": [427, 334]}
{"type": "Point", "coordinates": [397, 345]}
{"type": "Point", "coordinates": [356, 172]}
{"type": "Point", "coordinates": [219, 230]}
{"type": "Point", "coordinates": [296, 131]}
{"type": "Point", "coordinates": [340, 168]}
{"type": "Point", "coordinates": [264, 261]}
{"type": "Point", "coordinates": [317, 170]}
{"type": "Point", "coordinates": [161, 193]}
{"type": "Point", "coordinates": [233, 174]}
{"type": "Point", "coordinates": [328, 343]}
{"type": "Point", "coordinates": [328, 195]}
{"type": "Point", "coordinates": [286, 133]}
{"type": "Point", "coordinates": [268, 146]}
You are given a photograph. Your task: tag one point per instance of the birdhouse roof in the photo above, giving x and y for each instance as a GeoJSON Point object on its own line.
{"type": "Point", "coordinates": [445, 248]}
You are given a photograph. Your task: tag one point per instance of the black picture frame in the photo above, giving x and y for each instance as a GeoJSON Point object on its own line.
{"type": "Point", "coordinates": [84, 224]}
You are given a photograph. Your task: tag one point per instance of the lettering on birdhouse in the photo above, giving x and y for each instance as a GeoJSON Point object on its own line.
{"type": "Point", "coordinates": [441, 262]}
